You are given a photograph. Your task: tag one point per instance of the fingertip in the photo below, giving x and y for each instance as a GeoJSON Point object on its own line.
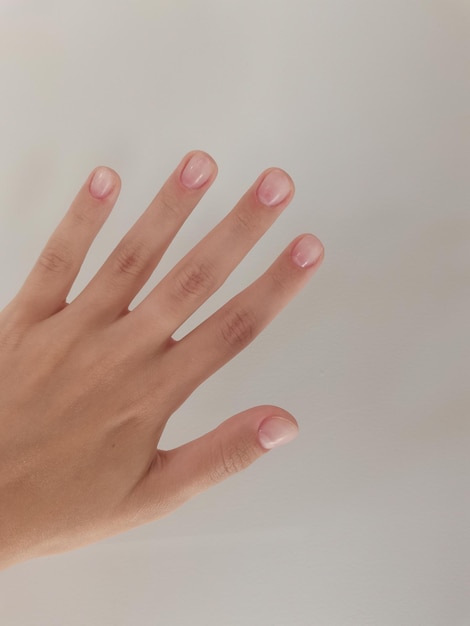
{"type": "Point", "coordinates": [307, 251]}
{"type": "Point", "coordinates": [198, 169]}
{"type": "Point", "coordinates": [104, 181]}
{"type": "Point", "coordinates": [276, 431]}
{"type": "Point", "coordinates": [275, 187]}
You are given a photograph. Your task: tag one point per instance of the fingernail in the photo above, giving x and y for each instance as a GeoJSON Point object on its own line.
{"type": "Point", "coordinates": [102, 183]}
{"type": "Point", "coordinates": [276, 431]}
{"type": "Point", "coordinates": [197, 171]}
{"type": "Point", "coordinates": [274, 188]}
{"type": "Point", "coordinates": [307, 251]}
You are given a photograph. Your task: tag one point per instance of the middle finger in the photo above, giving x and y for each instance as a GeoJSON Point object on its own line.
{"type": "Point", "coordinates": [131, 263]}
{"type": "Point", "coordinates": [205, 268]}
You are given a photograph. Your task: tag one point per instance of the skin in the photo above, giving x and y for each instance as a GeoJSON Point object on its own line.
{"type": "Point", "coordinates": [87, 387]}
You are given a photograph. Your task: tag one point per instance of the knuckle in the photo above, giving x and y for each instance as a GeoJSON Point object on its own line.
{"type": "Point", "coordinates": [82, 216]}
{"type": "Point", "coordinates": [130, 258]}
{"type": "Point", "coordinates": [57, 257]}
{"type": "Point", "coordinates": [278, 279]}
{"type": "Point", "coordinates": [238, 327]}
{"type": "Point", "coordinates": [168, 204]}
{"type": "Point", "coordinates": [195, 280]}
{"type": "Point", "coordinates": [243, 223]}
{"type": "Point", "coordinates": [231, 460]}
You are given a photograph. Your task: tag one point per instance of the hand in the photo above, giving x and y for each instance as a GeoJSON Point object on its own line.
{"type": "Point", "coordinates": [87, 387]}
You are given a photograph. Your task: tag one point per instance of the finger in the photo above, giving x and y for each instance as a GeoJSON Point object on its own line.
{"type": "Point", "coordinates": [177, 475]}
{"type": "Point", "coordinates": [205, 268]}
{"type": "Point", "coordinates": [131, 263]}
{"type": "Point", "coordinates": [46, 287]}
{"type": "Point", "coordinates": [230, 329]}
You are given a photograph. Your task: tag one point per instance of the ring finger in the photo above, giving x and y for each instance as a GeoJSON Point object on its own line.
{"type": "Point", "coordinates": [205, 268]}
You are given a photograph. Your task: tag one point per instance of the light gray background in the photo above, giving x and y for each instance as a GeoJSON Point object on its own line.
{"type": "Point", "coordinates": [364, 519]}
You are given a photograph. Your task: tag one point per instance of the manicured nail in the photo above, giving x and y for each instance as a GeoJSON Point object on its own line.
{"type": "Point", "coordinates": [276, 431]}
{"type": "Point", "coordinates": [274, 188]}
{"type": "Point", "coordinates": [102, 183]}
{"type": "Point", "coordinates": [307, 251]}
{"type": "Point", "coordinates": [197, 171]}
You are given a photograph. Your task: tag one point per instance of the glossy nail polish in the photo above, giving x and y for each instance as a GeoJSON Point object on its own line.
{"type": "Point", "coordinates": [198, 170]}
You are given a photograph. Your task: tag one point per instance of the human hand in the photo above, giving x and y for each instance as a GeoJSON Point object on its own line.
{"type": "Point", "coordinates": [87, 387]}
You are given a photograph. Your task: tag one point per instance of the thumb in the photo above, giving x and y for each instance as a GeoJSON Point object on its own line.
{"type": "Point", "coordinates": [177, 475]}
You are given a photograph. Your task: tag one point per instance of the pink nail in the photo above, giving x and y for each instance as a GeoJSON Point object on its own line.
{"type": "Point", "coordinates": [102, 183]}
{"type": "Point", "coordinates": [307, 251]}
{"type": "Point", "coordinates": [197, 171]}
{"type": "Point", "coordinates": [274, 188]}
{"type": "Point", "coordinates": [276, 431]}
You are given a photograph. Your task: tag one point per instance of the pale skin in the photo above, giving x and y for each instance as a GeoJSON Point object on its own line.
{"type": "Point", "coordinates": [87, 386]}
